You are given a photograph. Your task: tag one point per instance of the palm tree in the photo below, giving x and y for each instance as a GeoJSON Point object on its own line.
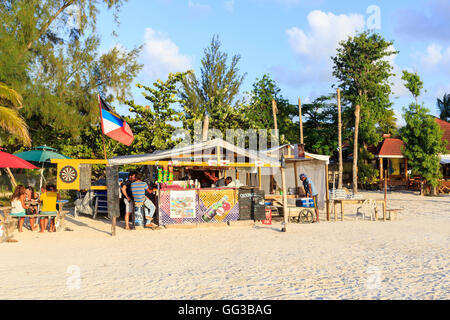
{"type": "Point", "coordinates": [444, 107]}
{"type": "Point", "coordinates": [10, 120]}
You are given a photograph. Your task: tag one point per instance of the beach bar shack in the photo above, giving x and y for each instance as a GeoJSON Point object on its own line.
{"type": "Point", "coordinates": [296, 161]}
{"type": "Point", "coordinates": [195, 194]}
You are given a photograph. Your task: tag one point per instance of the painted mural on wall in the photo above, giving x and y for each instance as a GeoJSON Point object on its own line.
{"type": "Point", "coordinates": [211, 206]}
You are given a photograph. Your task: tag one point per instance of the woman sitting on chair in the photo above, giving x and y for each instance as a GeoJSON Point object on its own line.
{"type": "Point", "coordinates": [18, 205]}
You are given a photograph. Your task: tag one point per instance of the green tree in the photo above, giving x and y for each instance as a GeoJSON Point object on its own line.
{"type": "Point", "coordinates": [154, 125]}
{"type": "Point", "coordinates": [215, 93]}
{"type": "Point", "coordinates": [54, 62]}
{"type": "Point", "coordinates": [363, 71]}
{"type": "Point", "coordinates": [422, 136]}
{"type": "Point", "coordinates": [444, 107]}
{"type": "Point", "coordinates": [258, 112]}
{"type": "Point", "coordinates": [320, 125]}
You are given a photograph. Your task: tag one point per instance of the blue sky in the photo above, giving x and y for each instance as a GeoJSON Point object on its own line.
{"type": "Point", "coordinates": [292, 40]}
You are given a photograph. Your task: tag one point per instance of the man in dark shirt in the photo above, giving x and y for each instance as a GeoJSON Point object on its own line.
{"type": "Point", "coordinates": [128, 198]}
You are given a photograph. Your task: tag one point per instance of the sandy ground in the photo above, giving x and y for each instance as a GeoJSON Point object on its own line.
{"type": "Point", "coordinates": [403, 259]}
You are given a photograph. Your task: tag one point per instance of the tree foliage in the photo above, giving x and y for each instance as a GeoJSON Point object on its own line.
{"type": "Point", "coordinates": [422, 136]}
{"type": "Point", "coordinates": [10, 120]}
{"type": "Point", "coordinates": [259, 115]}
{"type": "Point", "coordinates": [215, 93]}
{"type": "Point", "coordinates": [50, 55]}
{"type": "Point", "coordinates": [154, 125]}
{"type": "Point", "coordinates": [362, 69]}
{"type": "Point", "coordinates": [444, 107]}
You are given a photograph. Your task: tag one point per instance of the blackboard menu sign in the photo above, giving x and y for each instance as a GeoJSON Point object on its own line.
{"type": "Point", "coordinates": [112, 183]}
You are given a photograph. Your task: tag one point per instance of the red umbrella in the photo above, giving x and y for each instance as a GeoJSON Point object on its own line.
{"type": "Point", "coordinates": [8, 160]}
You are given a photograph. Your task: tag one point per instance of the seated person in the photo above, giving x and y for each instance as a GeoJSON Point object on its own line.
{"type": "Point", "coordinates": [48, 199]}
{"type": "Point", "coordinates": [31, 195]}
{"type": "Point", "coordinates": [18, 205]}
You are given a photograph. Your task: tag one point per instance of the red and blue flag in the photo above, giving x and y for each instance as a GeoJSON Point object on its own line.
{"type": "Point", "coordinates": [113, 125]}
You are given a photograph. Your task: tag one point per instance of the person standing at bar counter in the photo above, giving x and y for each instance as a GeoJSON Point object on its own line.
{"type": "Point", "coordinates": [310, 190]}
{"type": "Point", "coordinates": [143, 207]}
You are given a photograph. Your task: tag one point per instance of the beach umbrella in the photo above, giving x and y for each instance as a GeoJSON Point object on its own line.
{"type": "Point", "coordinates": [42, 156]}
{"type": "Point", "coordinates": [8, 160]}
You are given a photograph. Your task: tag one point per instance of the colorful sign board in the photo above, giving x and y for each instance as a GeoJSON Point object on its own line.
{"type": "Point", "coordinates": [182, 204]}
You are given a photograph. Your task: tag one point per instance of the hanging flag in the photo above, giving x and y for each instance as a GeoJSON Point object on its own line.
{"type": "Point", "coordinates": [113, 125]}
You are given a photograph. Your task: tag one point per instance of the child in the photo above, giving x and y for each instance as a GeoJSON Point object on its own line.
{"type": "Point", "coordinates": [32, 196]}
{"type": "Point", "coordinates": [18, 205]}
{"type": "Point", "coordinates": [48, 198]}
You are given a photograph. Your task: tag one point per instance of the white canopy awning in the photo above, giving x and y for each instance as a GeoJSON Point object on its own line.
{"type": "Point", "coordinates": [445, 158]}
{"type": "Point", "coordinates": [274, 152]}
{"type": "Point", "coordinates": [227, 150]}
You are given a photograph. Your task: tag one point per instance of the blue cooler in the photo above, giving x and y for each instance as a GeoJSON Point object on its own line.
{"type": "Point", "coordinates": [305, 202]}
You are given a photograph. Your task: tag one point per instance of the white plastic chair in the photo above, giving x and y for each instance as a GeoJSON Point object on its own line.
{"type": "Point", "coordinates": [368, 207]}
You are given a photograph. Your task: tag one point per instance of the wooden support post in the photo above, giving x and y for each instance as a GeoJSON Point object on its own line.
{"type": "Point", "coordinates": [406, 171]}
{"type": "Point", "coordinates": [205, 129]}
{"type": "Point", "coordinates": [335, 210]}
{"type": "Point", "coordinates": [341, 165]}
{"type": "Point", "coordinates": [342, 211]}
{"type": "Point", "coordinates": [300, 120]}
{"type": "Point", "coordinates": [275, 111]}
{"type": "Point", "coordinates": [296, 176]}
{"type": "Point", "coordinates": [381, 169]}
{"type": "Point", "coordinates": [113, 226]}
{"type": "Point", "coordinates": [385, 196]}
{"type": "Point", "coordinates": [285, 207]}
{"type": "Point", "coordinates": [259, 179]}
{"type": "Point", "coordinates": [355, 150]}
{"type": "Point", "coordinates": [327, 194]}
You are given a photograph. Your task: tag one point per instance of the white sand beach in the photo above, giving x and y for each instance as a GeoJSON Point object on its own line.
{"type": "Point", "coordinates": [404, 259]}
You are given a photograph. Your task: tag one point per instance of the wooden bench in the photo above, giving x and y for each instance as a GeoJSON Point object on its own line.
{"type": "Point", "coordinates": [393, 212]}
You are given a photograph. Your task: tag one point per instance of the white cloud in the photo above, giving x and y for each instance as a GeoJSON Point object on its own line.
{"type": "Point", "coordinates": [162, 56]}
{"type": "Point", "coordinates": [314, 46]}
{"type": "Point", "coordinates": [229, 5]}
{"type": "Point", "coordinates": [326, 31]}
{"type": "Point", "coordinates": [437, 58]}
{"type": "Point", "coordinates": [198, 7]}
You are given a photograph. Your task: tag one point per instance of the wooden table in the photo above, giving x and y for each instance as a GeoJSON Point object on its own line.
{"type": "Point", "coordinates": [356, 201]}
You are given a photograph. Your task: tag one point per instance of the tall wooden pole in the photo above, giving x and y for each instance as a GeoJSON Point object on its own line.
{"type": "Point", "coordinates": [259, 179]}
{"type": "Point", "coordinates": [327, 193]}
{"type": "Point", "coordinates": [205, 129]}
{"type": "Point", "coordinates": [101, 122]}
{"type": "Point", "coordinates": [274, 111]}
{"type": "Point", "coordinates": [355, 150]}
{"type": "Point", "coordinates": [300, 120]}
{"type": "Point", "coordinates": [341, 165]}
{"type": "Point", "coordinates": [285, 207]}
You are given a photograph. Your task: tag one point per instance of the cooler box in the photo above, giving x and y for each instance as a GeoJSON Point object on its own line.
{"type": "Point", "coordinates": [305, 202]}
